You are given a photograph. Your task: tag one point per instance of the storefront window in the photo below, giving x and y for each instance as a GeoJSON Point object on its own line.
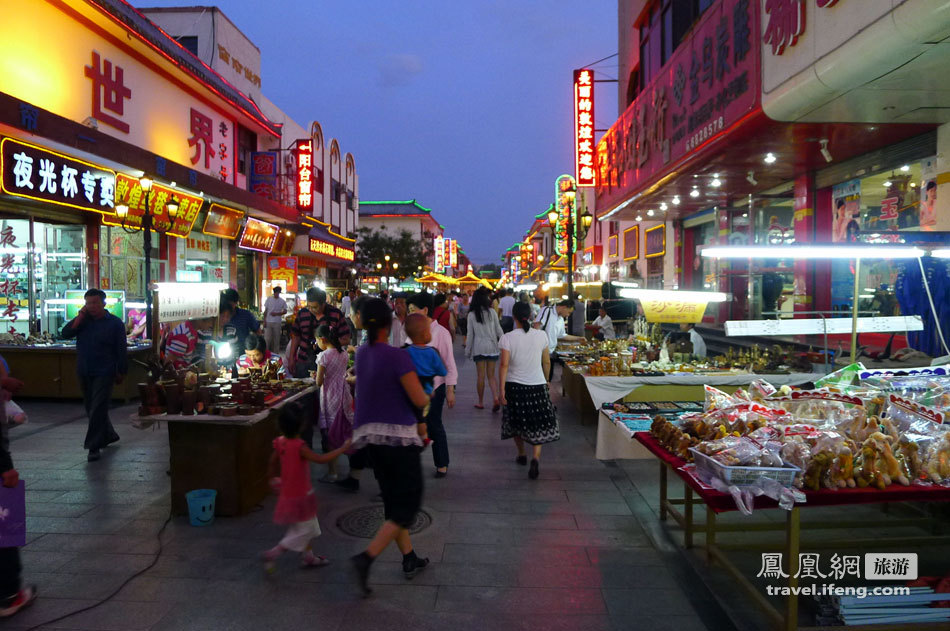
{"type": "Point", "coordinates": [206, 259]}
{"type": "Point", "coordinates": [122, 262]}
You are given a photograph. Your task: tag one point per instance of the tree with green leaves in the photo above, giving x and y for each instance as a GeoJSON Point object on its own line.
{"type": "Point", "coordinates": [404, 249]}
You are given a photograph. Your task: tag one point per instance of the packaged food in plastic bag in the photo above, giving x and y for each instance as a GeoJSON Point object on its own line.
{"type": "Point", "coordinates": [841, 377]}
{"type": "Point", "coordinates": [937, 461]}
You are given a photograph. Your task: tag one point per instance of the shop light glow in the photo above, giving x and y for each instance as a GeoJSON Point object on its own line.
{"type": "Point", "coordinates": [942, 253]}
{"type": "Point", "coordinates": [676, 200]}
{"type": "Point", "coordinates": [663, 206]}
{"type": "Point", "coordinates": [716, 183]}
{"type": "Point", "coordinates": [905, 168]}
{"type": "Point", "coordinates": [812, 252]}
{"type": "Point", "coordinates": [673, 294]}
{"type": "Point", "coordinates": [770, 158]}
{"type": "Point", "coordinates": [650, 213]}
{"type": "Point", "coordinates": [694, 192]}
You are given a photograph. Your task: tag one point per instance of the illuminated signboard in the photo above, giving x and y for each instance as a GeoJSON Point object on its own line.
{"type": "Point", "coordinates": [338, 251]}
{"type": "Point", "coordinates": [453, 253]}
{"type": "Point", "coordinates": [258, 235]}
{"type": "Point", "coordinates": [36, 173]}
{"type": "Point", "coordinates": [439, 250]}
{"type": "Point", "coordinates": [564, 192]}
{"type": "Point", "coordinates": [584, 127]}
{"type": "Point", "coordinates": [303, 150]}
{"type": "Point", "coordinates": [223, 222]}
{"type": "Point", "coordinates": [129, 192]}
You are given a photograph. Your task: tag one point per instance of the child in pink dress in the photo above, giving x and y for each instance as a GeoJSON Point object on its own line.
{"type": "Point", "coordinates": [336, 399]}
{"type": "Point", "coordinates": [296, 505]}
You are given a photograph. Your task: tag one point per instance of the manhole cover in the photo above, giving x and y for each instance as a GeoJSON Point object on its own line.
{"type": "Point", "coordinates": [365, 521]}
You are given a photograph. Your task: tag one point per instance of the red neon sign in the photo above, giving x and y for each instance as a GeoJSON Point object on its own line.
{"type": "Point", "coordinates": [584, 171]}
{"type": "Point", "coordinates": [303, 149]}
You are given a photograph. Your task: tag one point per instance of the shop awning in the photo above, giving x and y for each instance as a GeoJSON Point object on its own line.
{"type": "Point", "coordinates": [326, 244]}
{"type": "Point", "coordinates": [471, 278]}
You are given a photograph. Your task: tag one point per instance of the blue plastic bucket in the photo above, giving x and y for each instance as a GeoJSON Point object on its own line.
{"type": "Point", "coordinates": [201, 506]}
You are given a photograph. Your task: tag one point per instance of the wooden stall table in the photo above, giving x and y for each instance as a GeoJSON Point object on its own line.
{"type": "Point", "coordinates": [49, 372]}
{"type": "Point", "coordinates": [226, 453]}
{"type": "Point", "coordinates": [716, 502]}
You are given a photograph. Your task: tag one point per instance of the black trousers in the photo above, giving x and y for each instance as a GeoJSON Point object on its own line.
{"type": "Point", "coordinates": [9, 574]}
{"type": "Point", "coordinates": [96, 394]}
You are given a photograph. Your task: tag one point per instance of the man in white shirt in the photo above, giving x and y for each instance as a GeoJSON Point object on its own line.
{"type": "Point", "coordinates": [604, 325]}
{"type": "Point", "coordinates": [397, 334]}
{"type": "Point", "coordinates": [551, 321]}
{"type": "Point", "coordinates": [699, 344]}
{"type": "Point", "coordinates": [274, 309]}
{"type": "Point", "coordinates": [504, 306]}
{"type": "Point", "coordinates": [346, 302]}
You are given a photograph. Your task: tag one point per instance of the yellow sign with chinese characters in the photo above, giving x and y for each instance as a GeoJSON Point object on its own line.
{"type": "Point", "coordinates": [674, 310]}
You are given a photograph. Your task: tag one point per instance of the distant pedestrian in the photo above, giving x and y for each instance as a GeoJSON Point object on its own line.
{"type": "Point", "coordinates": [289, 473]}
{"type": "Point", "coordinates": [481, 345]}
{"type": "Point", "coordinates": [275, 308]}
{"type": "Point", "coordinates": [528, 415]}
{"type": "Point", "coordinates": [336, 400]}
{"type": "Point", "coordinates": [388, 395]}
{"type": "Point", "coordinates": [442, 313]}
{"type": "Point", "coordinates": [13, 596]}
{"type": "Point", "coordinates": [504, 306]}
{"type": "Point", "coordinates": [102, 362]}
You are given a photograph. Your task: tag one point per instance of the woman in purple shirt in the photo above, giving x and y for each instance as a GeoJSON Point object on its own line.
{"type": "Point", "coordinates": [387, 393]}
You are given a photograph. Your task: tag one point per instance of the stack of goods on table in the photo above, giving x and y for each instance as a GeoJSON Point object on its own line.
{"type": "Point", "coordinates": [843, 434]}
{"type": "Point", "coordinates": [186, 393]}
{"type": "Point", "coordinates": [637, 416]}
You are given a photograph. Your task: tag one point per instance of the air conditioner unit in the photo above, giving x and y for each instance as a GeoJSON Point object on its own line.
{"type": "Point", "coordinates": [289, 161]}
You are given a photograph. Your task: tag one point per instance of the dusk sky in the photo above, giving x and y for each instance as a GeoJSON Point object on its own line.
{"type": "Point", "coordinates": [464, 106]}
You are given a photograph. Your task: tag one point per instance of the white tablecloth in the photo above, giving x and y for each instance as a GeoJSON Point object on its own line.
{"type": "Point", "coordinates": [605, 389]}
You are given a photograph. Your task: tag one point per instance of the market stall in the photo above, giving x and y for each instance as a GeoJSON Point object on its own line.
{"type": "Point", "coordinates": [880, 440]}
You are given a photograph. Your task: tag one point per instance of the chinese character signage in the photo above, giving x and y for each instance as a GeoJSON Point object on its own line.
{"type": "Point", "coordinates": [673, 310]}
{"type": "Point", "coordinates": [283, 268]}
{"type": "Point", "coordinates": [223, 222]}
{"type": "Point", "coordinates": [108, 92]}
{"type": "Point", "coordinates": [75, 300]}
{"type": "Point", "coordinates": [319, 246]}
{"type": "Point", "coordinates": [711, 82]}
{"type": "Point", "coordinates": [263, 175]}
{"type": "Point", "coordinates": [584, 127]}
{"type": "Point", "coordinates": [453, 254]}
{"type": "Point", "coordinates": [439, 250]}
{"type": "Point", "coordinates": [785, 22]}
{"type": "Point", "coordinates": [211, 141]}
{"type": "Point", "coordinates": [564, 193]}
{"type": "Point", "coordinates": [655, 241]}
{"type": "Point", "coordinates": [36, 173]}
{"type": "Point", "coordinates": [129, 192]}
{"type": "Point", "coordinates": [258, 235]}
{"type": "Point", "coordinates": [303, 151]}
{"type": "Point", "coordinates": [187, 301]}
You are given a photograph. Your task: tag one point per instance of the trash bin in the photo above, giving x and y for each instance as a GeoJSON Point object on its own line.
{"type": "Point", "coordinates": [201, 506]}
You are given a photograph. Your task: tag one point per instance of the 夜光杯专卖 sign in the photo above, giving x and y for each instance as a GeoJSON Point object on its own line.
{"type": "Point", "coordinates": [673, 310]}
{"type": "Point", "coordinates": [258, 235]}
{"type": "Point", "coordinates": [187, 301]}
{"type": "Point", "coordinates": [129, 192]}
{"type": "Point", "coordinates": [223, 222]}
{"type": "Point", "coordinates": [711, 82]}
{"type": "Point", "coordinates": [584, 170]}
{"type": "Point", "coordinates": [318, 246]}
{"type": "Point", "coordinates": [283, 268]}
{"type": "Point", "coordinates": [36, 173]}
{"type": "Point", "coordinates": [303, 151]}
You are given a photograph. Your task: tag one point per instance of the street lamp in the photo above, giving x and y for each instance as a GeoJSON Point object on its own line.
{"type": "Point", "coordinates": [575, 233]}
{"type": "Point", "coordinates": [122, 212]}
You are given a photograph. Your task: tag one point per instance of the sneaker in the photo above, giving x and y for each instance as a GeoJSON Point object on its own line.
{"type": "Point", "coordinates": [533, 469]}
{"type": "Point", "coordinates": [522, 460]}
{"type": "Point", "coordinates": [24, 598]}
{"type": "Point", "coordinates": [349, 484]}
{"type": "Point", "coordinates": [93, 455]}
{"type": "Point", "coordinates": [329, 478]}
{"type": "Point", "coordinates": [414, 566]}
{"type": "Point", "coordinates": [361, 563]}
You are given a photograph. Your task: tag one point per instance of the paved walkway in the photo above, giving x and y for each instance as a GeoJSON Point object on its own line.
{"type": "Point", "coordinates": [565, 552]}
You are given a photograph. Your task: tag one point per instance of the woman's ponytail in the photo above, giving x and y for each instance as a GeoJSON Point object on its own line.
{"type": "Point", "coordinates": [521, 312]}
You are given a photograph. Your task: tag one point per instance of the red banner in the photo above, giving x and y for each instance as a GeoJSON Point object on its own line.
{"type": "Point", "coordinates": [223, 222]}
{"type": "Point", "coordinates": [710, 83]}
{"type": "Point", "coordinates": [129, 192]}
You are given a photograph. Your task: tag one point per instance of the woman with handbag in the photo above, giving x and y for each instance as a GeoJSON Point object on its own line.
{"type": "Point", "coordinates": [336, 400]}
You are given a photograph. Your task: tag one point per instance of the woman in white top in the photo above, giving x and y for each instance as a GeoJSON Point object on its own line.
{"type": "Point", "coordinates": [604, 325]}
{"type": "Point", "coordinates": [528, 414]}
{"type": "Point", "coordinates": [481, 345]}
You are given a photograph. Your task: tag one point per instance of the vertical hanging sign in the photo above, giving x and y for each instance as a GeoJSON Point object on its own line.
{"type": "Point", "coordinates": [439, 249]}
{"type": "Point", "coordinates": [453, 253]}
{"type": "Point", "coordinates": [303, 151]}
{"type": "Point", "coordinates": [565, 190]}
{"type": "Point", "coordinates": [584, 127]}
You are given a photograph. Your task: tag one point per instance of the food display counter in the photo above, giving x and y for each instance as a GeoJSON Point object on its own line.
{"type": "Point", "coordinates": [49, 370]}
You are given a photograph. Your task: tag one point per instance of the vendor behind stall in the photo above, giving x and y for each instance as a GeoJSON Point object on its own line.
{"type": "Point", "coordinates": [185, 343]}
{"type": "Point", "coordinates": [256, 355]}
{"type": "Point", "coordinates": [603, 326]}
{"type": "Point", "coordinates": [699, 345]}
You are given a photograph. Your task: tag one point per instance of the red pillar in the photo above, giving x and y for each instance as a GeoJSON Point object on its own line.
{"type": "Point", "coordinates": [804, 226]}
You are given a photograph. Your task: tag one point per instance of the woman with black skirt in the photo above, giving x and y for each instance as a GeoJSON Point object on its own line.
{"type": "Point", "coordinates": [528, 414]}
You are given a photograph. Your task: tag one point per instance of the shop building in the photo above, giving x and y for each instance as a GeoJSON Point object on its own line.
{"type": "Point", "coordinates": [393, 217]}
{"type": "Point", "coordinates": [740, 128]}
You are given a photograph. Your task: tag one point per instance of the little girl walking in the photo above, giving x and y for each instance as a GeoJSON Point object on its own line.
{"type": "Point", "coordinates": [297, 505]}
{"type": "Point", "coordinates": [336, 399]}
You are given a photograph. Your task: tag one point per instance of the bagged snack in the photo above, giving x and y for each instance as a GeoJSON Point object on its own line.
{"type": "Point", "coordinates": [841, 377]}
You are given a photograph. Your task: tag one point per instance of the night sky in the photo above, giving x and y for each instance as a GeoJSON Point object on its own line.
{"type": "Point", "coordinates": [464, 106]}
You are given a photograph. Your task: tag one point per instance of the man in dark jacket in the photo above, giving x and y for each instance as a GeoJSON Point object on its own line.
{"type": "Point", "coordinates": [101, 363]}
{"type": "Point", "coordinates": [13, 596]}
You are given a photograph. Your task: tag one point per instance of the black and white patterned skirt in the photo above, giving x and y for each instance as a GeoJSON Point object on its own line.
{"type": "Point", "coordinates": [529, 414]}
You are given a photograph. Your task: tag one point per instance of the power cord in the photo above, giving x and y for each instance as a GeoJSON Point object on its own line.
{"type": "Point", "coordinates": [118, 589]}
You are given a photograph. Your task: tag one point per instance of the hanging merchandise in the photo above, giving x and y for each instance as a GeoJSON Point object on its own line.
{"type": "Point", "coordinates": [913, 301]}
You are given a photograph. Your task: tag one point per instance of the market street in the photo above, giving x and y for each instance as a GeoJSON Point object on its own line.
{"type": "Point", "coordinates": [562, 552]}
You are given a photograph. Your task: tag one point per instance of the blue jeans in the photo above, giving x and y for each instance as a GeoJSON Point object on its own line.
{"type": "Point", "coordinates": [436, 430]}
{"type": "Point", "coordinates": [96, 394]}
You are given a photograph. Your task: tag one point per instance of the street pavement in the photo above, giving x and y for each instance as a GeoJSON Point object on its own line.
{"type": "Point", "coordinates": [576, 549]}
